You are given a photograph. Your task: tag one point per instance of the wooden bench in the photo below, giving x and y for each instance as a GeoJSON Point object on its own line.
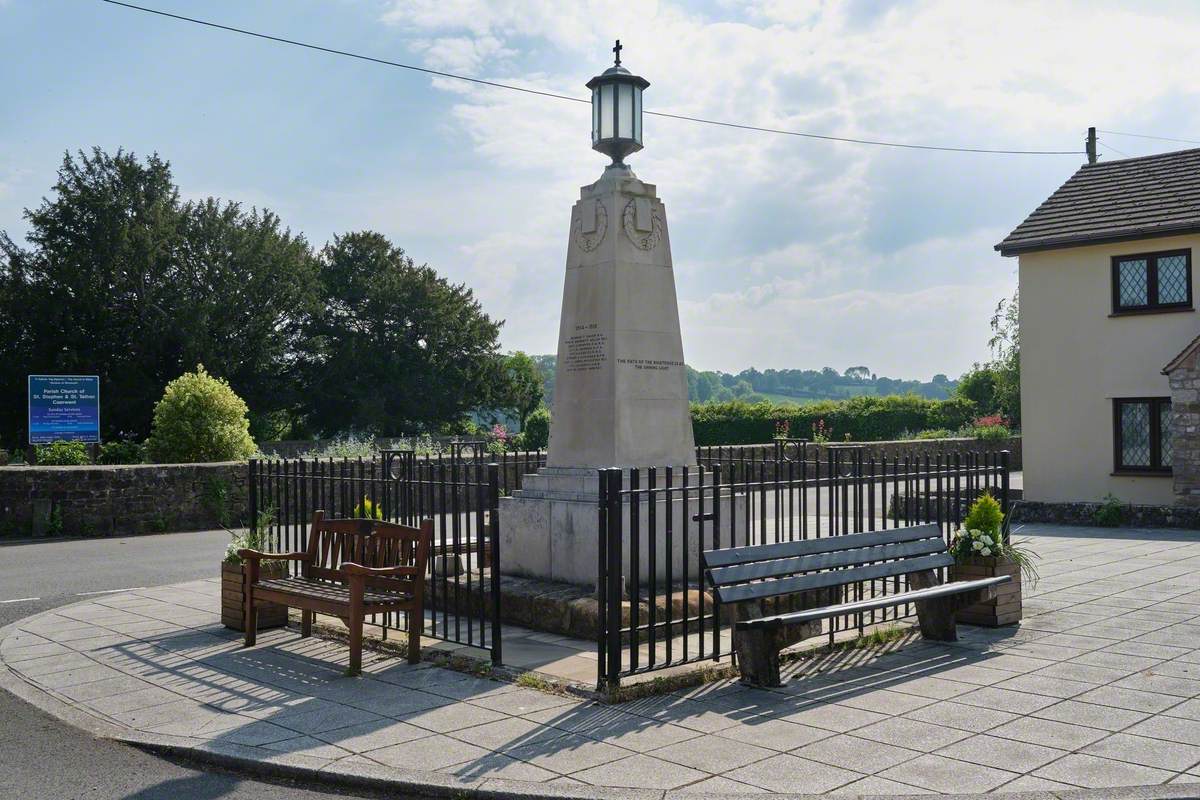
{"type": "Point", "coordinates": [755, 577]}
{"type": "Point", "coordinates": [351, 568]}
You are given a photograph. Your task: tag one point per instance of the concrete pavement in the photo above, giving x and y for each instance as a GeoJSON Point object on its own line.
{"type": "Point", "coordinates": [1097, 689]}
{"type": "Point", "coordinates": [44, 758]}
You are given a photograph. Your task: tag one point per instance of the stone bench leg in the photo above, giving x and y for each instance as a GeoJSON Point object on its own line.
{"type": "Point", "coordinates": [936, 616]}
{"type": "Point", "coordinates": [757, 649]}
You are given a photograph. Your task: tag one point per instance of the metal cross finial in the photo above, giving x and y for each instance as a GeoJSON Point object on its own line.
{"type": "Point", "coordinates": [617, 49]}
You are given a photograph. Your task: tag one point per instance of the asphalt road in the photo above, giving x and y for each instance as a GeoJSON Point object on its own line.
{"type": "Point", "coordinates": [44, 759]}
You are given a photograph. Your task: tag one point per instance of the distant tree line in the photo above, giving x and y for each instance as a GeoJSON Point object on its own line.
{"type": "Point", "coordinates": [783, 385]}
{"type": "Point", "coordinates": [123, 278]}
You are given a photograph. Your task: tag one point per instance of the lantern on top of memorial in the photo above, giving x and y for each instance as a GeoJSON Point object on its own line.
{"type": "Point", "coordinates": [617, 110]}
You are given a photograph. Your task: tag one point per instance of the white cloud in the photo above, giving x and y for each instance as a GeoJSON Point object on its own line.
{"type": "Point", "coordinates": [791, 252]}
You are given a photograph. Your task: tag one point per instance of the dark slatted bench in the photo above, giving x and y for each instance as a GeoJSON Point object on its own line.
{"type": "Point", "coordinates": [756, 578]}
{"type": "Point", "coordinates": [351, 568]}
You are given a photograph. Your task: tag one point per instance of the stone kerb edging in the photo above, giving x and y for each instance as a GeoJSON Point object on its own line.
{"type": "Point", "coordinates": [408, 782]}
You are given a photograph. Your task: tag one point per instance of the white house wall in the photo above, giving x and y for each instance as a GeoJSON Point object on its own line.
{"type": "Point", "coordinates": [1075, 358]}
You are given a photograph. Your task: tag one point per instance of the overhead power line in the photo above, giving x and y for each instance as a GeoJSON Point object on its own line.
{"type": "Point", "coordinates": [556, 96]}
{"type": "Point", "coordinates": [1148, 136]}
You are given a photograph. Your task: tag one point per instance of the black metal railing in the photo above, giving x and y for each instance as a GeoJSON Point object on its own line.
{"type": "Point", "coordinates": [655, 610]}
{"type": "Point", "coordinates": [463, 580]}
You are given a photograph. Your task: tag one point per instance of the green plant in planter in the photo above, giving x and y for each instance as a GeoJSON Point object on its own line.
{"type": "Point", "coordinates": [985, 534]}
{"type": "Point", "coordinates": [255, 537]}
{"type": "Point", "coordinates": [985, 515]}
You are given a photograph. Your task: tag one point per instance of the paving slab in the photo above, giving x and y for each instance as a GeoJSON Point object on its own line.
{"type": "Point", "coordinates": [1097, 691]}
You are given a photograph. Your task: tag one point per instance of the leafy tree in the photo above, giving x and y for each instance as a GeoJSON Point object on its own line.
{"type": "Point", "coordinates": [395, 348]}
{"type": "Point", "coordinates": [96, 292]}
{"type": "Point", "coordinates": [979, 386]}
{"type": "Point", "coordinates": [537, 429]}
{"type": "Point", "coordinates": [246, 286]}
{"type": "Point", "coordinates": [123, 280]}
{"type": "Point", "coordinates": [1006, 353]}
{"type": "Point", "coordinates": [520, 386]}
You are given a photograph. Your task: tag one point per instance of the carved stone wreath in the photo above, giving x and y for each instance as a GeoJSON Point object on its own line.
{"type": "Point", "coordinates": [590, 241]}
{"type": "Point", "coordinates": [642, 240]}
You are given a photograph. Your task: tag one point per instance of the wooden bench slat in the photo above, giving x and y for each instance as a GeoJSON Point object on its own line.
{"type": "Point", "coordinates": [724, 576]}
{"type": "Point", "coordinates": [324, 590]}
{"type": "Point", "coordinates": [886, 601]}
{"type": "Point", "coordinates": [745, 555]}
{"type": "Point", "coordinates": [325, 587]}
{"type": "Point", "coordinates": [839, 577]}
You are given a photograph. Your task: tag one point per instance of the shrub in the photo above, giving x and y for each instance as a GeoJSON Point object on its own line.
{"type": "Point", "coordinates": [3, 457]}
{"type": "Point", "coordinates": [121, 452]}
{"type": "Point", "coordinates": [991, 432]}
{"type": "Point", "coordinates": [1109, 512]}
{"type": "Point", "coordinates": [200, 418]}
{"type": "Point", "coordinates": [537, 429]}
{"type": "Point", "coordinates": [62, 454]}
{"type": "Point", "coordinates": [984, 515]}
{"type": "Point", "coordinates": [934, 433]}
{"type": "Point", "coordinates": [864, 419]}
{"type": "Point", "coordinates": [498, 443]}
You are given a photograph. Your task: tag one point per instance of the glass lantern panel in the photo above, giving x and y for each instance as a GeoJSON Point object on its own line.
{"type": "Point", "coordinates": [637, 115]}
{"type": "Point", "coordinates": [595, 114]}
{"type": "Point", "coordinates": [606, 111]}
{"type": "Point", "coordinates": [625, 111]}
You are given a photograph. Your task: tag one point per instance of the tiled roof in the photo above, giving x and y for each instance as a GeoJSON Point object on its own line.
{"type": "Point", "coordinates": [1132, 198]}
{"type": "Point", "coordinates": [1183, 356]}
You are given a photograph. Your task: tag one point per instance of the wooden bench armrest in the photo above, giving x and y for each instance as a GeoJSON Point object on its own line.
{"type": "Point", "coordinates": [350, 568]}
{"type": "Point", "coordinates": [258, 555]}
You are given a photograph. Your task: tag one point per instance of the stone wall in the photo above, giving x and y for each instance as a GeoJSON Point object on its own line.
{"type": "Point", "coordinates": [1185, 424]}
{"type": "Point", "coordinates": [119, 500]}
{"type": "Point", "coordinates": [1132, 516]}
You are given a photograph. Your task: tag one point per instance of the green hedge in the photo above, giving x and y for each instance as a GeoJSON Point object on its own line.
{"type": "Point", "coordinates": [866, 419]}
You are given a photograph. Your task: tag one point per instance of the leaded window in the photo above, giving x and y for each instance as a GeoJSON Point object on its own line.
{"type": "Point", "coordinates": [1142, 428]}
{"type": "Point", "coordinates": [1152, 282]}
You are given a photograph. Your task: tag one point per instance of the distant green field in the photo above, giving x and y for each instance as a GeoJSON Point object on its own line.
{"type": "Point", "coordinates": [785, 399]}
{"type": "Point", "coordinates": [805, 401]}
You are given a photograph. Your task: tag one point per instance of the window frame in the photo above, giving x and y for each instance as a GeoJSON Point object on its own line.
{"type": "Point", "coordinates": [1152, 305]}
{"type": "Point", "coordinates": [1156, 466]}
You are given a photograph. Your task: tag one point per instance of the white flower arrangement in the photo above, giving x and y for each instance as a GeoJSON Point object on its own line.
{"type": "Point", "coordinates": [974, 543]}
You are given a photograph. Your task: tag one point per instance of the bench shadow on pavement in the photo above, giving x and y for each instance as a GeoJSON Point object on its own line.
{"type": "Point", "coordinates": [289, 696]}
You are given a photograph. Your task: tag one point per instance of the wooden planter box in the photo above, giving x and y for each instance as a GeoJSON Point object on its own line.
{"type": "Point", "coordinates": [1006, 608]}
{"type": "Point", "coordinates": [270, 615]}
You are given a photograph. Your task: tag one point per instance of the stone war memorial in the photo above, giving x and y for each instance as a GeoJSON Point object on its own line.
{"type": "Point", "coordinates": [621, 397]}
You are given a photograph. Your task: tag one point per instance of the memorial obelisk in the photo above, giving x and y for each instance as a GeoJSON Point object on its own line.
{"type": "Point", "coordinates": [620, 395]}
{"type": "Point", "coordinates": [620, 391]}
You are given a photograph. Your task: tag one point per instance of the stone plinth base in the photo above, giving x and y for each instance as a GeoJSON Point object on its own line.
{"type": "Point", "coordinates": [549, 529]}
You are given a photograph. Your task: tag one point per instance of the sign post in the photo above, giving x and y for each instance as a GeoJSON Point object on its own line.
{"type": "Point", "coordinates": [64, 407]}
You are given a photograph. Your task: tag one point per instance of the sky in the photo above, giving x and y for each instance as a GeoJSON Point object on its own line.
{"type": "Point", "coordinates": [788, 252]}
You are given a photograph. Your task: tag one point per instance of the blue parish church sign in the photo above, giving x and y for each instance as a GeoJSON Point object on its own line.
{"type": "Point", "coordinates": [64, 407]}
